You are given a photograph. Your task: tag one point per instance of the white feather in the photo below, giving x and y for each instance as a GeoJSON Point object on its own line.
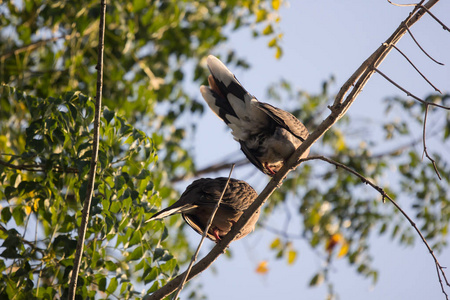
{"type": "Point", "coordinates": [219, 70]}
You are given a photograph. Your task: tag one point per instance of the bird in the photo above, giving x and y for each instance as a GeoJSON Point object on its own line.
{"type": "Point", "coordinates": [197, 203]}
{"type": "Point", "coordinates": [267, 135]}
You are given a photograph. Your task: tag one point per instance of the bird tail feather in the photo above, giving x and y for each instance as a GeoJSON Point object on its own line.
{"type": "Point", "coordinates": [170, 211]}
{"type": "Point", "coordinates": [229, 100]}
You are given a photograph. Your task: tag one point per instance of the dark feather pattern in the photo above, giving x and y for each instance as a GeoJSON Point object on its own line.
{"type": "Point", "coordinates": [268, 135]}
{"type": "Point", "coordinates": [199, 199]}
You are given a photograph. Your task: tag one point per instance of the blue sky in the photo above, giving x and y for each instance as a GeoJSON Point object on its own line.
{"type": "Point", "coordinates": [324, 38]}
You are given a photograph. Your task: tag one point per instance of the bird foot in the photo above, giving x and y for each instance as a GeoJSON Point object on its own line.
{"type": "Point", "coordinates": [215, 233]}
{"type": "Point", "coordinates": [266, 165]}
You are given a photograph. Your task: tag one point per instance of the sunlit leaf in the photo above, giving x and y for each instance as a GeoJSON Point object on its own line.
{"type": "Point", "coordinates": [268, 30]}
{"type": "Point", "coordinates": [292, 256]}
{"type": "Point", "coordinates": [276, 4]}
{"type": "Point", "coordinates": [276, 243]}
{"type": "Point", "coordinates": [262, 267]}
{"type": "Point", "coordinates": [343, 250]}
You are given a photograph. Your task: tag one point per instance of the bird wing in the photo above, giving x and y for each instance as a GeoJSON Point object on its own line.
{"type": "Point", "coordinates": [251, 156]}
{"type": "Point", "coordinates": [238, 195]}
{"type": "Point", "coordinates": [285, 120]}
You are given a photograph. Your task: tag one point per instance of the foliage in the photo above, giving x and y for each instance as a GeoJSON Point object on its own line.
{"type": "Point", "coordinates": [48, 50]}
{"type": "Point", "coordinates": [48, 197]}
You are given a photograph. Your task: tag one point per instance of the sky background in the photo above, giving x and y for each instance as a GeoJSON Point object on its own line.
{"type": "Point", "coordinates": [322, 39]}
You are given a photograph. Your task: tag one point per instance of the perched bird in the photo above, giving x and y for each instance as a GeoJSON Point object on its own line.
{"type": "Point", "coordinates": [268, 135]}
{"type": "Point", "coordinates": [199, 199]}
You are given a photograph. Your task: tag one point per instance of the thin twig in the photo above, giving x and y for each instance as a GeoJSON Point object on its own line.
{"type": "Point", "coordinates": [95, 144]}
{"type": "Point", "coordinates": [384, 196]}
{"type": "Point", "coordinates": [31, 244]}
{"type": "Point", "coordinates": [423, 76]}
{"type": "Point", "coordinates": [360, 77]}
{"type": "Point", "coordinates": [32, 46]}
{"type": "Point", "coordinates": [425, 144]}
{"type": "Point", "coordinates": [205, 233]}
{"type": "Point", "coordinates": [33, 167]}
{"type": "Point", "coordinates": [38, 168]}
{"type": "Point", "coordinates": [420, 47]}
{"type": "Point", "coordinates": [408, 93]}
{"type": "Point", "coordinates": [283, 233]}
{"type": "Point", "coordinates": [224, 164]}
{"type": "Point", "coordinates": [436, 19]}
{"type": "Point", "coordinates": [402, 5]}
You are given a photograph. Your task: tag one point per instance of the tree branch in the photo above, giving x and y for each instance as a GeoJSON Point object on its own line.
{"type": "Point", "coordinates": [386, 196]}
{"type": "Point", "coordinates": [92, 172]}
{"type": "Point", "coordinates": [37, 167]}
{"type": "Point", "coordinates": [338, 110]}
{"type": "Point", "coordinates": [420, 47]}
{"type": "Point", "coordinates": [224, 164]}
{"type": "Point", "coordinates": [32, 46]}
{"type": "Point", "coordinates": [407, 92]}
{"type": "Point", "coordinates": [425, 144]}
{"type": "Point", "coordinates": [418, 71]}
{"type": "Point", "coordinates": [445, 27]}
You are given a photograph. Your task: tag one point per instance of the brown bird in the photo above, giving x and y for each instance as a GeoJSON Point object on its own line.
{"type": "Point", "coordinates": [268, 135]}
{"type": "Point", "coordinates": [199, 199]}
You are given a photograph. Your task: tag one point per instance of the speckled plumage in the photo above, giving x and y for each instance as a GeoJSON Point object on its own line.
{"type": "Point", "coordinates": [268, 135]}
{"type": "Point", "coordinates": [199, 199]}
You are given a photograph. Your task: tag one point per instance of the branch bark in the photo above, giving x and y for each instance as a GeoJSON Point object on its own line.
{"type": "Point", "coordinates": [92, 172]}
{"type": "Point", "coordinates": [353, 86]}
{"type": "Point", "coordinates": [37, 167]}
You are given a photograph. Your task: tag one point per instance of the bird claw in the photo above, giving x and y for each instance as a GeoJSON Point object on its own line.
{"type": "Point", "coordinates": [266, 166]}
{"type": "Point", "coordinates": [216, 235]}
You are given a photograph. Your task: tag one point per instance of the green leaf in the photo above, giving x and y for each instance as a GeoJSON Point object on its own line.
{"type": "Point", "coordinates": [6, 214]}
{"type": "Point", "coordinates": [316, 280]}
{"type": "Point", "coordinates": [136, 254]}
{"type": "Point", "coordinates": [113, 284]}
{"type": "Point", "coordinates": [108, 115]}
{"type": "Point", "coordinates": [11, 253]}
{"type": "Point", "coordinates": [102, 284]}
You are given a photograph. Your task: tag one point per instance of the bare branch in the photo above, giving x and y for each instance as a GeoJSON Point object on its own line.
{"type": "Point", "coordinates": [420, 47]}
{"type": "Point", "coordinates": [339, 108]}
{"type": "Point", "coordinates": [223, 165]}
{"type": "Point", "coordinates": [402, 5]}
{"type": "Point", "coordinates": [423, 76]}
{"type": "Point", "coordinates": [425, 145]}
{"type": "Point", "coordinates": [95, 145]}
{"type": "Point", "coordinates": [205, 233]}
{"type": "Point", "coordinates": [386, 196]}
{"type": "Point", "coordinates": [359, 78]}
{"type": "Point", "coordinates": [282, 233]}
{"type": "Point", "coordinates": [33, 46]}
{"type": "Point", "coordinates": [436, 19]}
{"type": "Point", "coordinates": [408, 93]}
